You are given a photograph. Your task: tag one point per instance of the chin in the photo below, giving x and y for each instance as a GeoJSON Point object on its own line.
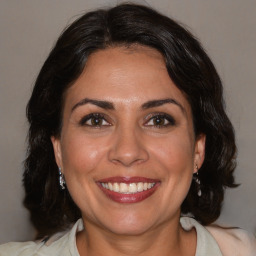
{"type": "Point", "coordinates": [129, 229]}
{"type": "Point", "coordinates": [130, 223]}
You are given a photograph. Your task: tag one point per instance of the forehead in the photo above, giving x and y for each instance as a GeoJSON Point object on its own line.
{"type": "Point", "coordinates": [125, 74]}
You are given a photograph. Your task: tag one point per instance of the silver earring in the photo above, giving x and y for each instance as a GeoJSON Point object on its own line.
{"type": "Point", "coordinates": [61, 179]}
{"type": "Point", "coordinates": [198, 182]}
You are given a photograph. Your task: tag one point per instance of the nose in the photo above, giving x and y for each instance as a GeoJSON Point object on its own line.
{"type": "Point", "coordinates": [128, 148]}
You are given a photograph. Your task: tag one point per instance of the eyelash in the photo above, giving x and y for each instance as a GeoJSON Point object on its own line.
{"type": "Point", "coordinates": [165, 117]}
{"type": "Point", "coordinates": [94, 116]}
{"type": "Point", "coordinates": [168, 120]}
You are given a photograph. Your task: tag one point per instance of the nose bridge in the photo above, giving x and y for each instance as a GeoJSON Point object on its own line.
{"type": "Point", "coordinates": [128, 147]}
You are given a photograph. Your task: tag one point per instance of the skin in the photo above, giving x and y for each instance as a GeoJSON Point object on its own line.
{"type": "Point", "coordinates": [129, 143]}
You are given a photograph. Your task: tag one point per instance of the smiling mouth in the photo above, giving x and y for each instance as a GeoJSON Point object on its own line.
{"type": "Point", "coordinates": [128, 190]}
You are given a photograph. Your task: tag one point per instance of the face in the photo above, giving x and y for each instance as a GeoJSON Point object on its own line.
{"type": "Point", "coordinates": [127, 146]}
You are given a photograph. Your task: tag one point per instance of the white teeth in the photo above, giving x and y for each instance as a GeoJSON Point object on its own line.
{"type": "Point", "coordinates": [123, 188]}
{"type": "Point", "coordinates": [128, 188]}
{"type": "Point", "coordinates": [140, 186]}
{"type": "Point", "coordinates": [132, 188]}
{"type": "Point", "coordinates": [116, 187]}
{"type": "Point", "coordinates": [110, 186]}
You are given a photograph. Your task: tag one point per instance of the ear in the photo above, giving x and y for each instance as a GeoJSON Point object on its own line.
{"type": "Point", "coordinates": [57, 151]}
{"type": "Point", "coordinates": [199, 151]}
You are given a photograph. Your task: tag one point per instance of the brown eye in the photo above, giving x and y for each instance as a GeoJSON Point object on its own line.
{"type": "Point", "coordinates": [161, 121]}
{"type": "Point", "coordinates": [94, 120]}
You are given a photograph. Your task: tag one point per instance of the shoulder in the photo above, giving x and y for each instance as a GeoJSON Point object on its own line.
{"type": "Point", "coordinates": [18, 248]}
{"type": "Point", "coordinates": [233, 241]}
{"type": "Point", "coordinates": [60, 244]}
{"type": "Point", "coordinates": [42, 248]}
{"type": "Point", "coordinates": [229, 241]}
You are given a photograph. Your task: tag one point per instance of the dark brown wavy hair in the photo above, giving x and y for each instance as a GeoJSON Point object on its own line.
{"type": "Point", "coordinates": [188, 66]}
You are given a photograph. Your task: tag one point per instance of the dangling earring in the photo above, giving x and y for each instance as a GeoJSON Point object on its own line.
{"type": "Point", "coordinates": [198, 182]}
{"type": "Point", "coordinates": [61, 179]}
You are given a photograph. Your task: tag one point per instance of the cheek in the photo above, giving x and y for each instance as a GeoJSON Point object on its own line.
{"type": "Point", "coordinates": [174, 152]}
{"type": "Point", "coordinates": [81, 158]}
{"type": "Point", "coordinates": [173, 157]}
{"type": "Point", "coordinates": [81, 155]}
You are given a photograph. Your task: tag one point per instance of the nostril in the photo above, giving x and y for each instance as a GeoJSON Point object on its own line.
{"type": "Point", "coordinates": [127, 160]}
{"type": "Point", "coordinates": [128, 152]}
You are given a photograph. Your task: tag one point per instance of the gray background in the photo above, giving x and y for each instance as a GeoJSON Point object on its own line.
{"type": "Point", "coordinates": [28, 29]}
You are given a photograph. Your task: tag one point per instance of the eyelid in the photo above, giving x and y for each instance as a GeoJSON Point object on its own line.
{"type": "Point", "coordinates": [169, 118]}
{"type": "Point", "coordinates": [86, 118]}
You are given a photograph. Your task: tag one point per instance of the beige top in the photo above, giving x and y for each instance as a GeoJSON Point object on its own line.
{"type": "Point", "coordinates": [211, 241]}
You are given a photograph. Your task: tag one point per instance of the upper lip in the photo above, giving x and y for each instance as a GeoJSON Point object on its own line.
{"type": "Point", "coordinates": [121, 179]}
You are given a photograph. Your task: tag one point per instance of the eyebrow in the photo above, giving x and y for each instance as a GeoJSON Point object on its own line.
{"type": "Point", "coordinates": [158, 103]}
{"type": "Point", "coordinates": [99, 103]}
{"type": "Point", "coordinates": [110, 106]}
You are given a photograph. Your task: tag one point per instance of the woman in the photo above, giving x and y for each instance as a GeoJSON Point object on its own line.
{"type": "Point", "coordinates": [127, 134]}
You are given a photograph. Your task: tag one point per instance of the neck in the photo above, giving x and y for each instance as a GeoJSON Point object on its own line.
{"type": "Point", "coordinates": [167, 239]}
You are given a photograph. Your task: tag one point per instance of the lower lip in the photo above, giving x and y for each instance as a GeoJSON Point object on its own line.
{"type": "Point", "coordinates": [129, 198]}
